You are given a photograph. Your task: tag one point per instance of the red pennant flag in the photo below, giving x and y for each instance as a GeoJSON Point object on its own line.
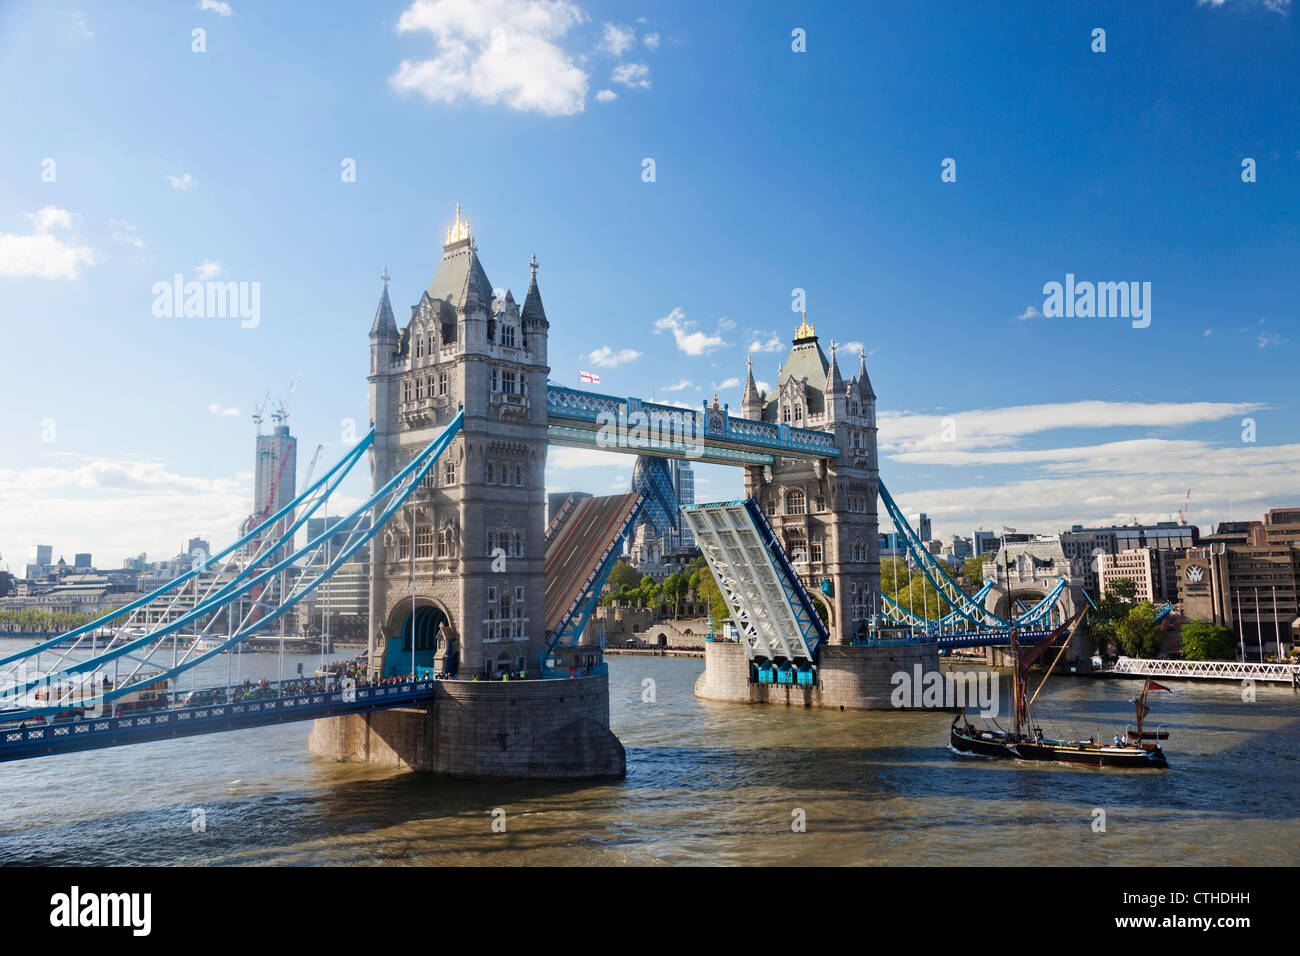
{"type": "Point", "coordinates": [1152, 685]}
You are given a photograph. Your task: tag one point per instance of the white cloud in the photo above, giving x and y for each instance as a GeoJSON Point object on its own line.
{"type": "Point", "coordinates": [606, 96]}
{"type": "Point", "coordinates": [681, 385]}
{"type": "Point", "coordinates": [79, 20]}
{"type": "Point", "coordinates": [632, 74]}
{"type": "Point", "coordinates": [689, 339]}
{"type": "Point", "coordinates": [651, 40]}
{"type": "Point", "coordinates": [222, 410]}
{"type": "Point", "coordinates": [182, 182]}
{"type": "Point", "coordinates": [209, 269]}
{"type": "Point", "coordinates": [728, 383]}
{"type": "Point", "coordinates": [617, 40]}
{"type": "Point", "coordinates": [216, 6]}
{"type": "Point", "coordinates": [767, 342]}
{"type": "Point", "coordinates": [116, 507]}
{"type": "Point", "coordinates": [607, 357]}
{"type": "Point", "coordinates": [495, 51]}
{"type": "Point", "coordinates": [1030, 313]}
{"type": "Point", "coordinates": [854, 348]}
{"type": "Point", "coordinates": [1118, 482]}
{"type": "Point", "coordinates": [123, 231]}
{"type": "Point", "coordinates": [43, 255]}
{"type": "Point", "coordinates": [1270, 338]}
{"type": "Point", "coordinates": [1277, 6]}
{"type": "Point", "coordinates": [1000, 427]}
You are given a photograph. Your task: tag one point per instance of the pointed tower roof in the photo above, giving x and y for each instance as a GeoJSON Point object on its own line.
{"type": "Point", "coordinates": [460, 277]}
{"type": "Point", "coordinates": [807, 363]}
{"type": "Point", "coordinates": [864, 381]}
{"type": "Point", "coordinates": [384, 324]}
{"type": "Point", "coordinates": [834, 383]}
{"type": "Point", "coordinates": [533, 310]}
{"type": "Point", "coordinates": [751, 387]}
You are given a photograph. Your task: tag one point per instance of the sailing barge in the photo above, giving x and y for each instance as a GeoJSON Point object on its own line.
{"type": "Point", "coordinates": [1025, 742]}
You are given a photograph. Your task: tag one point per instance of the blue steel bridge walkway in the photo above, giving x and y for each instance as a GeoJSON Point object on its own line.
{"type": "Point", "coordinates": [267, 703]}
{"type": "Point", "coordinates": [709, 435]}
{"type": "Point", "coordinates": [94, 686]}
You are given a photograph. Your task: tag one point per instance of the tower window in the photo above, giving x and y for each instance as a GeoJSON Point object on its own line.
{"type": "Point", "coordinates": [794, 503]}
{"type": "Point", "coordinates": [423, 540]}
{"type": "Point", "coordinates": [442, 383]}
{"type": "Point", "coordinates": [508, 336]}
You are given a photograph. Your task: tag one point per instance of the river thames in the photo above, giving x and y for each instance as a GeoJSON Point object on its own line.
{"type": "Point", "coordinates": [706, 784]}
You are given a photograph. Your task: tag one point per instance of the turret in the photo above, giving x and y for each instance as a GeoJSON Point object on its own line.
{"type": "Point", "coordinates": [534, 319]}
{"type": "Point", "coordinates": [383, 332]}
{"type": "Point", "coordinates": [834, 393]}
{"type": "Point", "coordinates": [751, 402]}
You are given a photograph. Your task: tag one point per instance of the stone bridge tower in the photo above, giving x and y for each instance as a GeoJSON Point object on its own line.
{"type": "Point", "coordinates": [470, 599]}
{"type": "Point", "coordinates": [824, 512]}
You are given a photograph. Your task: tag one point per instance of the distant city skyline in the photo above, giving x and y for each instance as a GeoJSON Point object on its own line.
{"type": "Point", "coordinates": [310, 156]}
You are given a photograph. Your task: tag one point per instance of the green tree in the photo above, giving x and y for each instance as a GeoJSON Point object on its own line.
{"type": "Point", "coordinates": [1123, 588]}
{"type": "Point", "coordinates": [623, 574]}
{"type": "Point", "coordinates": [675, 586]}
{"type": "Point", "coordinates": [705, 588]}
{"type": "Point", "coordinates": [1111, 611]}
{"type": "Point", "coordinates": [1208, 642]}
{"type": "Point", "coordinates": [972, 569]}
{"type": "Point", "coordinates": [1139, 632]}
{"type": "Point", "coordinates": [911, 589]}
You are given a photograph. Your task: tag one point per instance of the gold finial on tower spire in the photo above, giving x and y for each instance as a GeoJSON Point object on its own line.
{"type": "Point", "coordinates": [805, 330]}
{"type": "Point", "coordinates": [460, 231]}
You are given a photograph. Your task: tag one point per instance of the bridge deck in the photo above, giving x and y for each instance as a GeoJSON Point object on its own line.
{"type": "Point", "coordinates": [17, 743]}
{"type": "Point", "coordinates": [576, 543]}
{"type": "Point", "coordinates": [769, 603]}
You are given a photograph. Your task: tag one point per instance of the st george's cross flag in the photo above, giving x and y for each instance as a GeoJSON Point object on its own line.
{"type": "Point", "coordinates": [589, 377]}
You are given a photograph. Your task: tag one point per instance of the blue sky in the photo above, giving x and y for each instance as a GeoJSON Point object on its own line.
{"type": "Point", "coordinates": [774, 170]}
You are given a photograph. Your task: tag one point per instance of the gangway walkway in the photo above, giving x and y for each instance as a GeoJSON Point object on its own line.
{"type": "Point", "coordinates": [1207, 670]}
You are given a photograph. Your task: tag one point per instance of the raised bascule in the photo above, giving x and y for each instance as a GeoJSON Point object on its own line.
{"type": "Point", "coordinates": [479, 664]}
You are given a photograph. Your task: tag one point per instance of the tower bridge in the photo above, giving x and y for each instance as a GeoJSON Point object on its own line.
{"type": "Point", "coordinates": [469, 586]}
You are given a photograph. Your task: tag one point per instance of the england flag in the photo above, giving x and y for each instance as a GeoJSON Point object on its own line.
{"type": "Point", "coordinates": [589, 377]}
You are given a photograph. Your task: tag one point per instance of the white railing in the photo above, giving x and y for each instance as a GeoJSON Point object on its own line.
{"type": "Point", "coordinates": [1208, 670]}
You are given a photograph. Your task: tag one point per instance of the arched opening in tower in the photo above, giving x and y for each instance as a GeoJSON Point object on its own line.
{"type": "Point", "coordinates": [413, 651]}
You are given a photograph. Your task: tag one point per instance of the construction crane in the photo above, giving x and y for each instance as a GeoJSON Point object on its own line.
{"type": "Point", "coordinates": [1182, 512]}
{"type": "Point", "coordinates": [281, 413]}
{"type": "Point", "coordinates": [257, 411]}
